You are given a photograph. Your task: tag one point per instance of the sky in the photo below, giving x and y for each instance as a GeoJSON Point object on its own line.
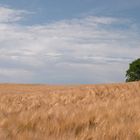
{"type": "Point", "coordinates": [68, 41]}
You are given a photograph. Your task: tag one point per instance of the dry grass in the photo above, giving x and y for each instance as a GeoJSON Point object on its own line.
{"type": "Point", "coordinates": [88, 112]}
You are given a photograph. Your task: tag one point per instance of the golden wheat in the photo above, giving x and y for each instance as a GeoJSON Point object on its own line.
{"type": "Point", "coordinates": [84, 112]}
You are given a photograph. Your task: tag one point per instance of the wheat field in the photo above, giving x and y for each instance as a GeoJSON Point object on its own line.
{"type": "Point", "coordinates": [75, 112]}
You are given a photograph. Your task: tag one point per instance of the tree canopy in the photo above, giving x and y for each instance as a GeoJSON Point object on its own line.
{"type": "Point", "coordinates": [133, 73]}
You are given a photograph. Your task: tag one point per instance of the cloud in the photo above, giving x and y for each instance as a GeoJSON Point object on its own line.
{"type": "Point", "coordinates": [8, 15]}
{"type": "Point", "coordinates": [83, 50]}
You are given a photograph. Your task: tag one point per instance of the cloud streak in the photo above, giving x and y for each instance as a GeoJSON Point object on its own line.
{"type": "Point", "coordinates": [8, 15]}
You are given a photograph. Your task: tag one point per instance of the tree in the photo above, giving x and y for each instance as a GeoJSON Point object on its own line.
{"type": "Point", "coordinates": [133, 73]}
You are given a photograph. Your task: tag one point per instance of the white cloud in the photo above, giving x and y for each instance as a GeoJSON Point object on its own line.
{"type": "Point", "coordinates": [69, 51]}
{"type": "Point", "coordinates": [11, 15]}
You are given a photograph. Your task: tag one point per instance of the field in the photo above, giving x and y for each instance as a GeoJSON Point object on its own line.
{"type": "Point", "coordinates": [82, 112]}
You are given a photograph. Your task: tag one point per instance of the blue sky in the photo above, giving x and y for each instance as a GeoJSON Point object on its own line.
{"type": "Point", "coordinates": [68, 42]}
{"type": "Point", "coordinates": [53, 10]}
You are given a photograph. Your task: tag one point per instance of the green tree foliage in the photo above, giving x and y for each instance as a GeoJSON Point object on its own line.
{"type": "Point", "coordinates": [133, 73]}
